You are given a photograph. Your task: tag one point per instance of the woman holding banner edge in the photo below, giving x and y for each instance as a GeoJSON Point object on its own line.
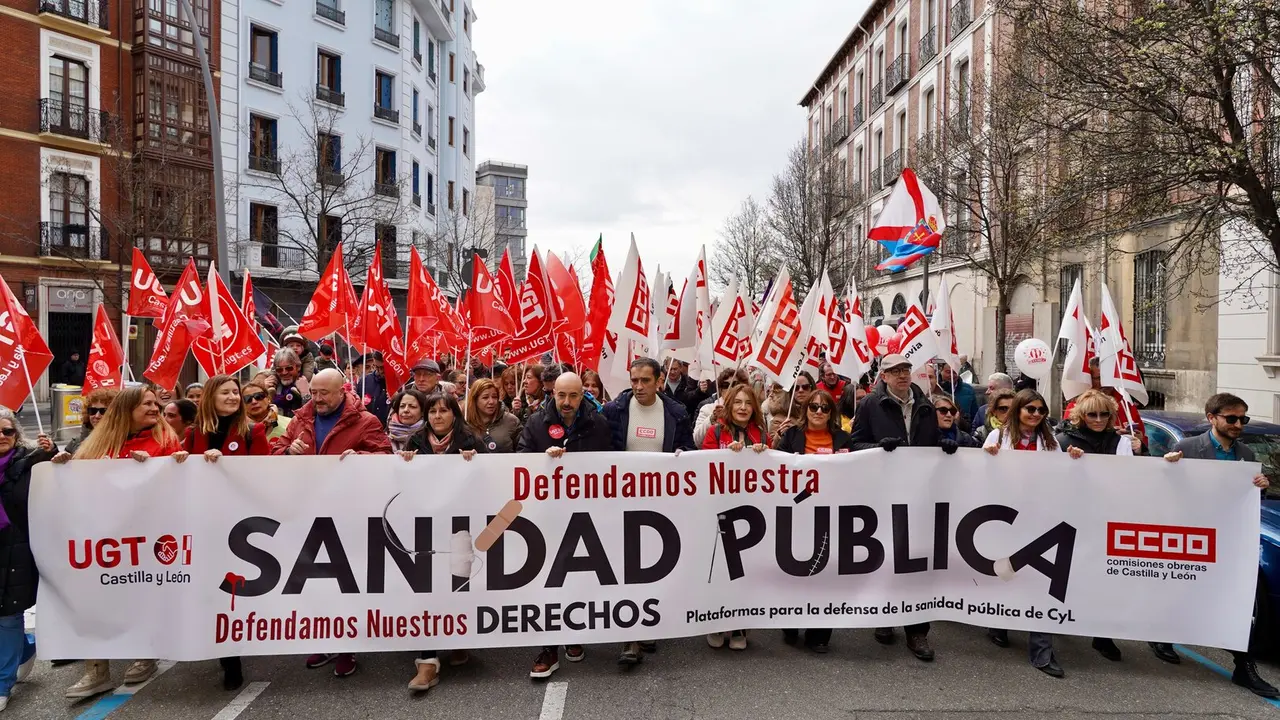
{"type": "Point", "coordinates": [132, 428]}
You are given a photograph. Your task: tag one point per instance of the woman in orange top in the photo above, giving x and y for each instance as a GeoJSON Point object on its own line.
{"type": "Point", "coordinates": [132, 428]}
{"type": "Point", "coordinates": [821, 434]}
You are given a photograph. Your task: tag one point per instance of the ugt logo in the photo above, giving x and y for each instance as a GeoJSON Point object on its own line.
{"type": "Point", "coordinates": [108, 553]}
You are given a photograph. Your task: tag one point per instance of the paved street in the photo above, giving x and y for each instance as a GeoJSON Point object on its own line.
{"type": "Point", "coordinates": [686, 679]}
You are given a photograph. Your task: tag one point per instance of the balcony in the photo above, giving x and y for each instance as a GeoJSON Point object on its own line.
{"type": "Point", "coordinates": [390, 190]}
{"type": "Point", "coordinates": [839, 130]}
{"type": "Point", "coordinates": [893, 167]}
{"type": "Point", "coordinates": [929, 45]}
{"type": "Point", "coordinates": [256, 254]}
{"type": "Point", "coordinates": [961, 122]}
{"type": "Point", "coordinates": [858, 117]}
{"type": "Point", "coordinates": [89, 12]}
{"type": "Point", "coordinates": [897, 74]}
{"type": "Point", "coordinates": [877, 96]}
{"type": "Point", "coordinates": [263, 74]}
{"type": "Point", "coordinates": [431, 75]}
{"type": "Point", "coordinates": [431, 141]}
{"type": "Point", "coordinates": [417, 128]}
{"type": "Point", "coordinates": [431, 208]}
{"type": "Point", "coordinates": [72, 241]}
{"type": "Point", "coordinates": [874, 186]}
{"type": "Point", "coordinates": [417, 57]}
{"type": "Point", "coordinates": [417, 200]}
{"type": "Point", "coordinates": [331, 13]}
{"type": "Point", "coordinates": [444, 10]}
{"type": "Point", "coordinates": [855, 194]}
{"type": "Point", "coordinates": [386, 36]}
{"type": "Point", "coordinates": [385, 113]}
{"type": "Point", "coordinates": [961, 15]}
{"type": "Point", "coordinates": [265, 163]}
{"type": "Point", "coordinates": [329, 95]}
{"type": "Point", "coordinates": [71, 120]}
{"type": "Point", "coordinates": [330, 177]}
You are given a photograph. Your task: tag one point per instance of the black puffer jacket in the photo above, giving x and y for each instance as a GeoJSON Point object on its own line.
{"type": "Point", "coordinates": [880, 418]}
{"type": "Point", "coordinates": [18, 575]}
{"type": "Point", "coordinates": [545, 428]}
{"type": "Point", "coordinates": [1092, 443]}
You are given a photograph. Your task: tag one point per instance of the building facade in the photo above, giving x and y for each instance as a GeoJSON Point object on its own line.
{"type": "Point", "coordinates": [104, 145]}
{"type": "Point", "coordinates": [504, 186]}
{"type": "Point", "coordinates": [907, 68]}
{"type": "Point", "coordinates": [353, 121]}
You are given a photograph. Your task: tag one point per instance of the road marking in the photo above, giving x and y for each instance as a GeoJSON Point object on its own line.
{"type": "Point", "coordinates": [122, 695]}
{"type": "Point", "coordinates": [1216, 668]}
{"type": "Point", "coordinates": [241, 702]}
{"type": "Point", "coordinates": [553, 701]}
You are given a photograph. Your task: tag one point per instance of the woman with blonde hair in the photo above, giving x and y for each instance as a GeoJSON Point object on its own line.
{"type": "Point", "coordinates": [1092, 428]}
{"type": "Point", "coordinates": [257, 404]}
{"type": "Point", "coordinates": [131, 428]}
{"type": "Point", "coordinates": [489, 421]}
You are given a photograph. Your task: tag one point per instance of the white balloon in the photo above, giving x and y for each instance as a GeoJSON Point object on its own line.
{"type": "Point", "coordinates": [1033, 358]}
{"type": "Point", "coordinates": [884, 333]}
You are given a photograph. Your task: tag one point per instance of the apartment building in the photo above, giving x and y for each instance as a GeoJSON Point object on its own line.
{"type": "Point", "coordinates": [104, 144]}
{"type": "Point", "coordinates": [503, 186]}
{"type": "Point", "coordinates": [347, 120]}
{"type": "Point", "coordinates": [908, 67]}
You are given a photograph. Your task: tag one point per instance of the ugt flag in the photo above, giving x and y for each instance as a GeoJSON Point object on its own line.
{"type": "Point", "coordinates": [910, 225]}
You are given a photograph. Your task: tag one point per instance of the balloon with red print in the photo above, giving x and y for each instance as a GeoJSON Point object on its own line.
{"type": "Point", "coordinates": [894, 344]}
{"type": "Point", "coordinates": [1033, 358]}
{"type": "Point", "coordinates": [884, 332]}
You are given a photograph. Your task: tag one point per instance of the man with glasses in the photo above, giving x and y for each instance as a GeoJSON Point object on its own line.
{"type": "Point", "coordinates": [1227, 415]}
{"type": "Point", "coordinates": [292, 389]}
{"type": "Point", "coordinates": [897, 413]}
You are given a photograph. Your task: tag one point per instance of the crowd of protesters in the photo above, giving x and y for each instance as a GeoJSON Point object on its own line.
{"type": "Point", "coordinates": [309, 404]}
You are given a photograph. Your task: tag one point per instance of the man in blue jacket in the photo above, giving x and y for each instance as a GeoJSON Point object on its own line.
{"type": "Point", "coordinates": [966, 398]}
{"type": "Point", "coordinates": [647, 420]}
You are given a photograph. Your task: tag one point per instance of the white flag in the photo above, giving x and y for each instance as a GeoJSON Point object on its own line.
{"type": "Point", "coordinates": [783, 348]}
{"type": "Point", "coordinates": [854, 358]}
{"type": "Point", "coordinates": [727, 325]}
{"type": "Point", "coordinates": [631, 307]}
{"type": "Point", "coordinates": [1117, 365]}
{"type": "Point", "coordinates": [943, 324]}
{"type": "Point", "coordinates": [1079, 336]}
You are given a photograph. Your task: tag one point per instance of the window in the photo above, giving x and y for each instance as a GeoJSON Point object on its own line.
{"type": "Point", "coordinates": [877, 312]}
{"type": "Point", "coordinates": [384, 15]}
{"type": "Point", "coordinates": [328, 154]}
{"type": "Point", "coordinates": [509, 217]}
{"type": "Point", "coordinates": [930, 110]}
{"type": "Point", "coordinates": [858, 88]}
{"type": "Point", "coordinates": [466, 201]}
{"type": "Point", "coordinates": [68, 110]}
{"type": "Point", "coordinates": [844, 102]}
{"type": "Point", "coordinates": [877, 152]}
{"type": "Point", "coordinates": [899, 305]}
{"type": "Point", "coordinates": [263, 230]}
{"type": "Point", "coordinates": [384, 101]}
{"type": "Point", "coordinates": [962, 85]}
{"type": "Point", "coordinates": [431, 192]}
{"type": "Point", "coordinates": [167, 27]}
{"type": "Point", "coordinates": [264, 63]}
{"type": "Point", "coordinates": [466, 20]}
{"type": "Point", "coordinates": [450, 194]}
{"type": "Point", "coordinates": [431, 58]}
{"type": "Point", "coordinates": [451, 68]}
{"type": "Point", "coordinates": [466, 81]}
{"type": "Point", "coordinates": [417, 197]}
{"type": "Point", "coordinates": [466, 142]}
{"type": "Point", "coordinates": [902, 38]}
{"type": "Point", "coordinates": [508, 187]}
{"type": "Point", "coordinates": [416, 124]}
{"type": "Point", "coordinates": [431, 122]}
{"type": "Point", "coordinates": [417, 40]}
{"type": "Point", "coordinates": [68, 203]}
{"type": "Point", "coordinates": [329, 71]}
{"type": "Point", "coordinates": [385, 167]}
{"type": "Point", "coordinates": [262, 144]}
{"type": "Point", "coordinates": [331, 230]}
{"type": "Point", "coordinates": [1149, 322]}
{"type": "Point", "coordinates": [451, 131]}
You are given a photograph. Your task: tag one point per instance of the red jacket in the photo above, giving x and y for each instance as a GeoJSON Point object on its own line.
{"type": "Point", "coordinates": [356, 429]}
{"type": "Point", "coordinates": [719, 437]}
{"type": "Point", "coordinates": [198, 442]}
{"type": "Point", "coordinates": [146, 443]}
{"type": "Point", "coordinates": [837, 391]}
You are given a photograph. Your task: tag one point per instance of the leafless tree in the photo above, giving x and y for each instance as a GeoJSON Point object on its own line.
{"type": "Point", "coordinates": [454, 240]}
{"type": "Point", "coordinates": [745, 249]}
{"type": "Point", "coordinates": [1182, 102]}
{"type": "Point", "coordinates": [809, 206]}
{"type": "Point", "coordinates": [325, 189]}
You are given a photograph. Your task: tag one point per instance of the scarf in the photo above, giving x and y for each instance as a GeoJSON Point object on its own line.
{"type": "Point", "coordinates": [439, 446]}
{"type": "Point", "coordinates": [400, 433]}
{"type": "Point", "coordinates": [218, 437]}
{"type": "Point", "coordinates": [4, 466]}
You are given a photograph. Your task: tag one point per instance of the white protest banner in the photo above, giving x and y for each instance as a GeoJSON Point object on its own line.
{"type": "Point", "coordinates": [141, 560]}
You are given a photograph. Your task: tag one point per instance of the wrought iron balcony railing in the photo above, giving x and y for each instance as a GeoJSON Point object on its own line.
{"type": "Point", "coordinates": [89, 12]}
{"type": "Point", "coordinates": [72, 240]}
{"type": "Point", "coordinates": [73, 120]}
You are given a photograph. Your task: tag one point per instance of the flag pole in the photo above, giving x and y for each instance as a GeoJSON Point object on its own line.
{"type": "Point", "coordinates": [466, 373]}
{"type": "Point", "coordinates": [126, 371]}
{"type": "Point", "coordinates": [31, 389]}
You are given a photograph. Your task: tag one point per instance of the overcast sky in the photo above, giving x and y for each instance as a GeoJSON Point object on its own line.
{"type": "Point", "coordinates": [647, 117]}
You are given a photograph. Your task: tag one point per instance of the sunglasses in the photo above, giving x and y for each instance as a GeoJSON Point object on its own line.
{"type": "Point", "coordinates": [8, 432]}
{"type": "Point", "coordinates": [1036, 409]}
{"type": "Point", "coordinates": [1233, 419]}
{"type": "Point", "coordinates": [1002, 408]}
{"type": "Point", "coordinates": [255, 397]}
{"type": "Point", "coordinates": [947, 411]}
{"type": "Point", "coordinates": [1098, 415]}
{"type": "Point", "coordinates": [806, 386]}
{"type": "Point", "coordinates": [97, 411]}
{"type": "Point", "coordinates": [818, 408]}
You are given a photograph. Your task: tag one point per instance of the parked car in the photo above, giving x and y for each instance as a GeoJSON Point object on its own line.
{"type": "Point", "coordinates": [1166, 429]}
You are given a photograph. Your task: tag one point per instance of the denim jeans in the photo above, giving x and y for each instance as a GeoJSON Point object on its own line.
{"type": "Point", "coordinates": [16, 647]}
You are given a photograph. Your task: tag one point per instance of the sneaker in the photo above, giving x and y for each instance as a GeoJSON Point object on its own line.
{"type": "Point", "coordinates": [1247, 677]}
{"type": "Point", "coordinates": [459, 657]}
{"type": "Point", "coordinates": [885, 636]}
{"type": "Point", "coordinates": [715, 640]}
{"type": "Point", "coordinates": [24, 670]}
{"type": "Point", "coordinates": [574, 653]}
{"type": "Point", "coordinates": [738, 640]}
{"type": "Point", "coordinates": [96, 680]}
{"type": "Point", "coordinates": [649, 646]}
{"type": "Point", "coordinates": [4, 702]}
{"type": "Point", "coordinates": [344, 665]}
{"type": "Point", "coordinates": [919, 646]}
{"type": "Point", "coordinates": [631, 654]}
{"type": "Point", "coordinates": [428, 674]}
{"type": "Point", "coordinates": [1106, 647]}
{"type": "Point", "coordinates": [320, 659]}
{"type": "Point", "coordinates": [139, 672]}
{"type": "Point", "coordinates": [547, 662]}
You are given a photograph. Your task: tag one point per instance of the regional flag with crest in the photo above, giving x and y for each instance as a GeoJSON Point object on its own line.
{"type": "Point", "coordinates": [910, 225]}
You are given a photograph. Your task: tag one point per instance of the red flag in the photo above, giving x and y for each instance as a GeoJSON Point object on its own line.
{"type": "Point", "coordinates": [146, 294]}
{"type": "Point", "coordinates": [533, 323]}
{"type": "Point", "coordinates": [19, 338]}
{"type": "Point", "coordinates": [247, 304]}
{"type": "Point", "coordinates": [105, 355]}
{"type": "Point", "coordinates": [569, 312]}
{"type": "Point", "coordinates": [507, 285]}
{"type": "Point", "coordinates": [328, 312]}
{"type": "Point", "coordinates": [233, 343]}
{"type": "Point", "coordinates": [380, 326]}
{"type": "Point", "coordinates": [186, 318]}
{"type": "Point", "coordinates": [593, 334]}
{"type": "Point", "coordinates": [487, 308]}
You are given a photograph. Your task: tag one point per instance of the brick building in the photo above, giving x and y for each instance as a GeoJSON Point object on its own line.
{"type": "Point", "coordinates": [104, 144]}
